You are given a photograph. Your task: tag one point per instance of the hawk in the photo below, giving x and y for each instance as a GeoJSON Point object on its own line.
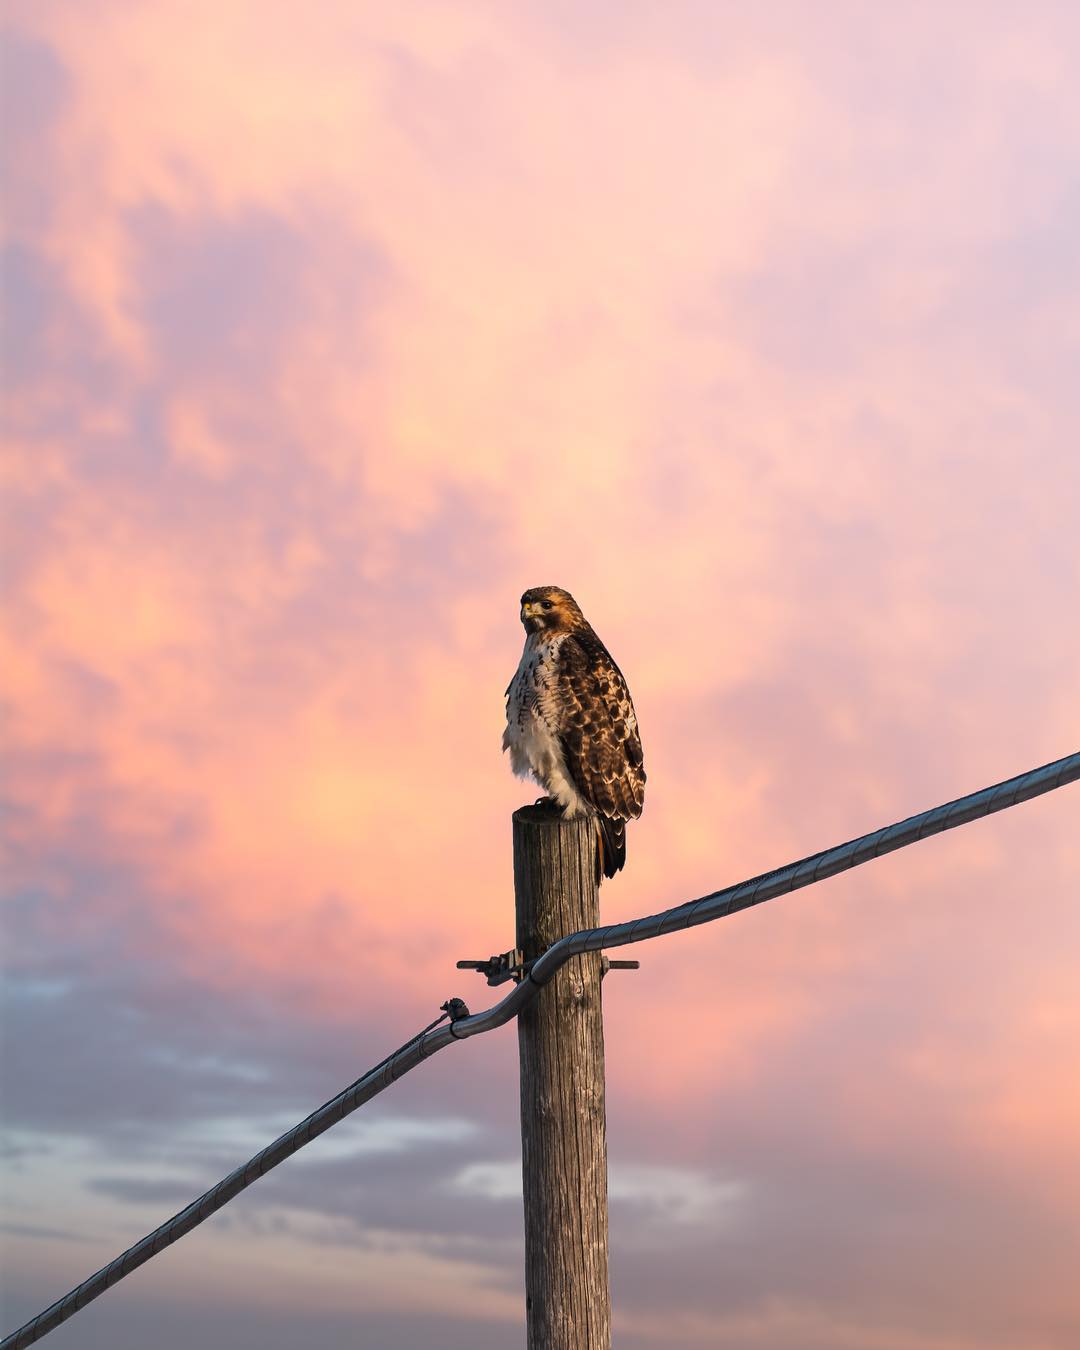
{"type": "Point", "coordinates": [570, 722]}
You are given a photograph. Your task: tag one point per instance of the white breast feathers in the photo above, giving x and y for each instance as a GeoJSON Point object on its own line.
{"type": "Point", "coordinates": [532, 721]}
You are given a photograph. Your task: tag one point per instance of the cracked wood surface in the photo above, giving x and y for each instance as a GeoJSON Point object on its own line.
{"type": "Point", "coordinates": [561, 1044]}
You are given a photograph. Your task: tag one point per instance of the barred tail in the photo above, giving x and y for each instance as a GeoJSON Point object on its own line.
{"type": "Point", "coordinates": [610, 845]}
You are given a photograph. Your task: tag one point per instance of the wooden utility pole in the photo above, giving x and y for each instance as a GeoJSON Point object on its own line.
{"type": "Point", "coordinates": [561, 1043]}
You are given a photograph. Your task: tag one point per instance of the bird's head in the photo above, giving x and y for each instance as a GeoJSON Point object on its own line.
{"type": "Point", "coordinates": [550, 609]}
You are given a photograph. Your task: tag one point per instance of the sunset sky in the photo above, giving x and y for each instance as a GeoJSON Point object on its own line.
{"type": "Point", "coordinates": [330, 328]}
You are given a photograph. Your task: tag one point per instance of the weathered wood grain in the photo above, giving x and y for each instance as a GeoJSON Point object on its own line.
{"type": "Point", "coordinates": [563, 1138]}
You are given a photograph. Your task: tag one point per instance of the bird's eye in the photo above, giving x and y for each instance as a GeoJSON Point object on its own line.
{"type": "Point", "coordinates": [546, 604]}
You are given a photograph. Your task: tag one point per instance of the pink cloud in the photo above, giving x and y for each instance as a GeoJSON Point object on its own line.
{"type": "Point", "coordinates": [336, 336]}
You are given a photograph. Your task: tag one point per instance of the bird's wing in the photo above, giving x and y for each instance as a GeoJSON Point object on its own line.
{"type": "Point", "coordinates": [598, 728]}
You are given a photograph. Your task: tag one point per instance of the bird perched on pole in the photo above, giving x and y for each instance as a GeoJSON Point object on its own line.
{"type": "Point", "coordinates": [570, 722]}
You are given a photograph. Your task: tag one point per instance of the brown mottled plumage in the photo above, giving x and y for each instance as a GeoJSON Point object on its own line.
{"type": "Point", "coordinates": [570, 721]}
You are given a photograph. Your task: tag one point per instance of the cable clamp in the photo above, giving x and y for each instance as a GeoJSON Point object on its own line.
{"type": "Point", "coordinates": [499, 969]}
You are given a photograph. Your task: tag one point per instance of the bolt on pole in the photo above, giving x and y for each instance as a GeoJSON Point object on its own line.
{"type": "Point", "coordinates": [563, 1126]}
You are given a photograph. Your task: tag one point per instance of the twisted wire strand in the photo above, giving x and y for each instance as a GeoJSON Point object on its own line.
{"type": "Point", "coordinates": [717, 905]}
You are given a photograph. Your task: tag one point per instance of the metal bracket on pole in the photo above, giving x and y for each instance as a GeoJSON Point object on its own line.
{"type": "Point", "coordinates": [513, 966]}
{"type": "Point", "coordinates": [607, 964]}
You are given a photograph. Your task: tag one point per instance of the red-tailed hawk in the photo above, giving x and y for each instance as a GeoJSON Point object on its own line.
{"type": "Point", "coordinates": [570, 722]}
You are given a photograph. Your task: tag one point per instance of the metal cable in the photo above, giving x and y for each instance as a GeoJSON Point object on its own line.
{"type": "Point", "coordinates": [717, 905]}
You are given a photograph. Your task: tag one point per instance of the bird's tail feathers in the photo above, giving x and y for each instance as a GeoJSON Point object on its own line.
{"type": "Point", "coordinates": [610, 846]}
